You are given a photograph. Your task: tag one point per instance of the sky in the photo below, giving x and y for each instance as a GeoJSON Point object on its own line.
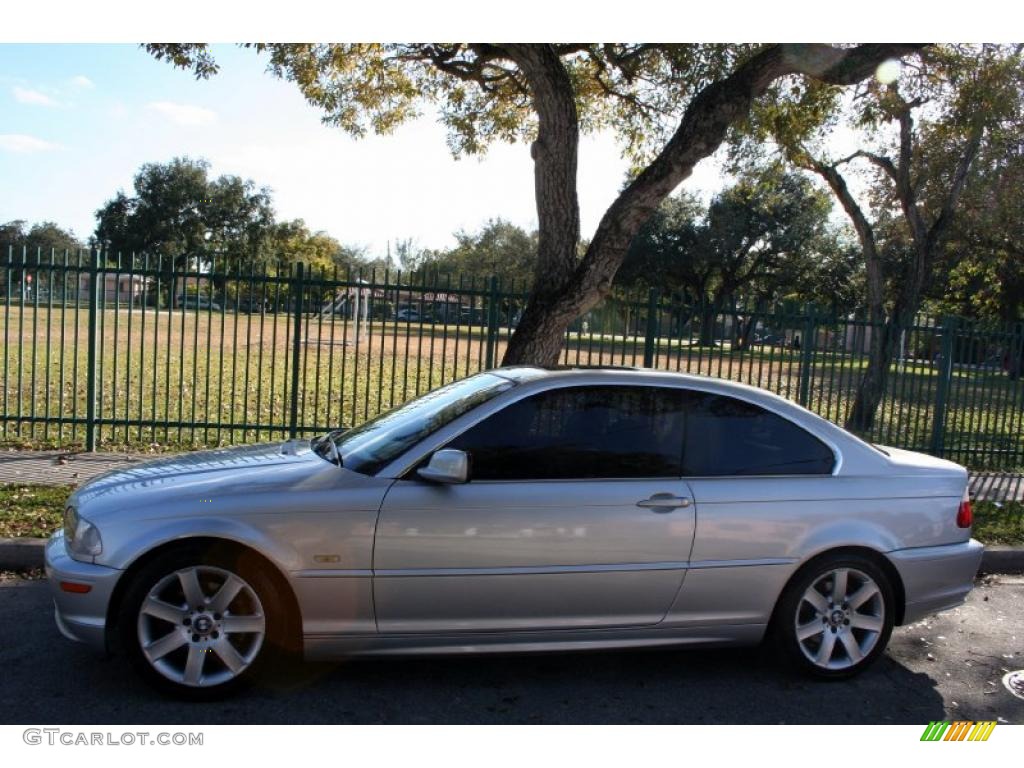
{"type": "Point", "coordinates": [77, 121]}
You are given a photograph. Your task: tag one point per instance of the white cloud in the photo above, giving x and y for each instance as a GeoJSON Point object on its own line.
{"type": "Point", "coordinates": [184, 114]}
{"type": "Point", "coordinates": [81, 81]}
{"type": "Point", "coordinates": [28, 96]}
{"type": "Point", "coordinates": [20, 142]}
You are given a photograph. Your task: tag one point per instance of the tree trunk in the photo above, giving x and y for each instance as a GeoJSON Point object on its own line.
{"type": "Point", "coordinates": [746, 332]}
{"type": "Point", "coordinates": [708, 315]}
{"type": "Point", "coordinates": [565, 287]}
{"type": "Point", "coordinates": [872, 386]}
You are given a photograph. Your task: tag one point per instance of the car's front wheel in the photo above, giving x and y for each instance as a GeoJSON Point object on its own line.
{"type": "Point", "coordinates": [835, 617]}
{"type": "Point", "coordinates": [196, 626]}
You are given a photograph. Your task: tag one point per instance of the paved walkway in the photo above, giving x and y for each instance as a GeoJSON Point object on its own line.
{"type": "Point", "coordinates": [61, 468]}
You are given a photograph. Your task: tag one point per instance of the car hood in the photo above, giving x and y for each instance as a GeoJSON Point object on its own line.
{"type": "Point", "coordinates": [249, 469]}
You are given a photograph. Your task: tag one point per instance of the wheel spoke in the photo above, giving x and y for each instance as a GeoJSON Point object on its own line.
{"type": "Point", "coordinates": [190, 586]}
{"type": "Point", "coordinates": [194, 664]}
{"type": "Point", "coordinates": [862, 621]}
{"type": "Point", "coordinates": [816, 599]}
{"type": "Point", "coordinates": [235, 624]}
{"type": "Point", "coordinates": [839, 579]}
{"type": "Point", "coordinates": [169, 642]}
{"type": "Point", "coordinates": [809, 630]}
{"type": "Point", "coordinates": [852, 649]}
{"type": "Point", "coordinates": [229, 589]}
{"type": "Point", "coordinates": [862, 595]}
{"type": "Point", "coordinates": [230, 656]}
{"type": "Point", "coordinates": [164, 611]}
{"type": "Point", "coordinates": [824, 655]}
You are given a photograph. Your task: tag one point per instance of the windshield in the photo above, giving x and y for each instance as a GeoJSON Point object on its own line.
{"type": "Point", "coordinates": [372, 445]}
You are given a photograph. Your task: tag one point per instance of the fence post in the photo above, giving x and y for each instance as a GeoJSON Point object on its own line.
{"type": "Point", "coordinates": [807, 357]}
{"type": "Point", "coordinates": [90, 369]}
{"type": "Point", "coordinates": [652, 327]}
{"type": "Point", "coordinates": [949, 331]}
{"type": "Point", "coordinates": [492, 323]}
{"type": "Point", "coordinates": [297, 291]}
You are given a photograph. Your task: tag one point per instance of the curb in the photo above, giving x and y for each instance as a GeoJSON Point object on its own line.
{"type": "Point", "coordinates": [1002, 559]}
{"type": "Point", "coordinates": [18, 554]}
{"type": "Point", "coordinates": [21, 553]}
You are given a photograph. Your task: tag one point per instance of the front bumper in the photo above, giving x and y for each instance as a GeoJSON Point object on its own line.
{"type": "Point", "coordinates": [936, 578]}
{"type": "Point", "coordinates": [81, 617]}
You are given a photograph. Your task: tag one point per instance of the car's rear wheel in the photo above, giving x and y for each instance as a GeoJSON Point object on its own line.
{"type": "Point", "coordinates": [196, 625]}
{"type": "Point", "coordinates": [835, 617]}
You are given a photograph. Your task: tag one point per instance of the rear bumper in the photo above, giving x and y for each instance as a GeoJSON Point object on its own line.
{"type": "Point", "coordinates": [936, 578]}
{"type": "Point", "coordinates": [81, 617]}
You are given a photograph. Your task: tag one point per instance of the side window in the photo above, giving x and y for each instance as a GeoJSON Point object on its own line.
{"type": "Point", "coordinates": [726, 436]}
{"type": "Point", "coordinates": [580, 432]}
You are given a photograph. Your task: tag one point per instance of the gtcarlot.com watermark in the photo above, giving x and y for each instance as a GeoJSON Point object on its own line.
{"type": "Point", "coordinates": [68, 738]}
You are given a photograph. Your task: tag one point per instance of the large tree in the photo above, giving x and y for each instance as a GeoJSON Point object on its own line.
{"type": "Point", "coordinates": [921, 131]}
{"type": "Point", "coordinates": [672, 104]}
{"type": "Point", "coordinates": [177, 211]}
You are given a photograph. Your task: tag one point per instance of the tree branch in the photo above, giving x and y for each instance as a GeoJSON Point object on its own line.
{"type": "Point", "coordinates": [702, 129]}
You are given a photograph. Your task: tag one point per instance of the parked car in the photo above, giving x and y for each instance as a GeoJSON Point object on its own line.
{"type": "Point", "coordinates": [520, 509]}
{"type": "Point", "coordinates": [197, 302]}
{"type": "Point", "coordinates": [769, 340]}
{"type": "Point", "coordinates": [252, 305]}
{"type": "Point", "coordinates": [408, 315]}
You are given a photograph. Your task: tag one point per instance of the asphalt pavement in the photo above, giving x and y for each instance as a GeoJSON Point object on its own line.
{"type": "Point", "coordinates": [948, 667]}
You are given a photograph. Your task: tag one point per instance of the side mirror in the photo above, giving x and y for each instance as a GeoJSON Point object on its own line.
{"type": "Point", "coordinates": [446, 466]}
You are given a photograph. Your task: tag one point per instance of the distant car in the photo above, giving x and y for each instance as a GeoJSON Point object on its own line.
{"type": "Point", "coordinates": [197, 302]}
{"type": "Point", "coordinates": [769, 340]}
{"type": "Point", "coordinates": [520, 509]}
{"type": "Point", "coordinates": [251, 305]}
{"type": "Point", "coordinates": [408, 315]}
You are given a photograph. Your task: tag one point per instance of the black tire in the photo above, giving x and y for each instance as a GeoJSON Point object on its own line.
{"type": "Point", "coordinates": [793, 610]}
{"type": "Point", "coordinates": [211, 559]}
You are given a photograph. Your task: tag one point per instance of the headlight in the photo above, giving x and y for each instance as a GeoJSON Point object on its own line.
{"type": "Point", "coordinates": [80, 536]}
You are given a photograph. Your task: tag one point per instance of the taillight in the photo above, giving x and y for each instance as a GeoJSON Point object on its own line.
{"type": "Point", "coordinates": [964, 517]}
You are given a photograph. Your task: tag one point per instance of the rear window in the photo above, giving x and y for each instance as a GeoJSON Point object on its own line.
{"type": "Point", "coordinates": [726, 436]}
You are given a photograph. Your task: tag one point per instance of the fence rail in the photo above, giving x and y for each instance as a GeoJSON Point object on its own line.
{"type": "Point", "coordinates": [105, 352]}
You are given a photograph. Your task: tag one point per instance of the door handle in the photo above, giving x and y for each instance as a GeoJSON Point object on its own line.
{"type": "Point", "coordinates": [664, 502]}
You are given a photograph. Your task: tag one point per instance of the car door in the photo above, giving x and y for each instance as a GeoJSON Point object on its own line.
{"type": "Point", "coordinates": [760, 481]}
{"type": "Point", "coordinates": [575, 516]}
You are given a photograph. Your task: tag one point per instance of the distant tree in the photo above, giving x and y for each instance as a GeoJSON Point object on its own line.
{"type": "Point", "coordinates": [985, 253]}
{"type": "Point", "coordinates": [41, 240]}
{"type": "Point", "coordinates": [42, 237]}
{"type": "Point", "coordinates": [921, 131]}
{"type": "Point", "coordinates": [498, 249]}
{"type": "Point", "coordinates": [671, 104]}
{"type": "Point", "coordinates": [754, 241]}
{"type": "Point", "coordinates": [179, 213]}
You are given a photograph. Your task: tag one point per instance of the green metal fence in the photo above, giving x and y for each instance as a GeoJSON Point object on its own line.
{"type": "Point", "coordinates": [128, 352]}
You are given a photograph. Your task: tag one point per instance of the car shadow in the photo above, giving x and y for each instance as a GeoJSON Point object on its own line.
{"type": "Point", "coordinates": [46, 679]}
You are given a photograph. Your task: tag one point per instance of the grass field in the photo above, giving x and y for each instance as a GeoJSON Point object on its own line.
{"type": "Point", "coordinates": [189, 379]}
{"type": "Point", "coordinates": [36, 510]}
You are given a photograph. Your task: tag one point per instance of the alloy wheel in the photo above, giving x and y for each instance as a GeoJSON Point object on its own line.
{"type": "Point", "coordinates": [201, 626]}
{"type": "Point", "coordinates": [840, 618]}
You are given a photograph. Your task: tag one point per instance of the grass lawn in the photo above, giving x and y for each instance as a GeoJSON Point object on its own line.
{"type": "Point", "coordinates": [31, 510]}
{"type": "Point", "coordinates": [182, 380]}
{"type": "Point", "coordinates": [37, 510]}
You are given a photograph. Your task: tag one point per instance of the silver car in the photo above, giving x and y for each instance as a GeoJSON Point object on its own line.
{"type": "Point", "coordinates": [520, 509]}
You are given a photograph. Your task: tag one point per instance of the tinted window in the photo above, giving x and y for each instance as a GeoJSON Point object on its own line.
{"type": "Point", "coordinates": [580, 432]}
{"type": "Point", "coordinates": [725, 436]}
{"type": "Point", "coordinates": [370, 446]}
